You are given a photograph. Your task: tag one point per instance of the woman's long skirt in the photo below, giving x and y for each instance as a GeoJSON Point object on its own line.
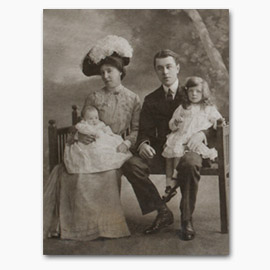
{"type": "Point", "coordinates": [83, 206]}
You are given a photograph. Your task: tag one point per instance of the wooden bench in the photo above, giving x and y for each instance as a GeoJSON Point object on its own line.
{"type": "Point", "coordinates": [58, 138]}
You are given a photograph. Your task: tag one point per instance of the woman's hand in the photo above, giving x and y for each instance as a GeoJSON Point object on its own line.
{"type": "Point", "coordinates": [122, 148]}
{"type": "Point", "coordinates": [86, 139]}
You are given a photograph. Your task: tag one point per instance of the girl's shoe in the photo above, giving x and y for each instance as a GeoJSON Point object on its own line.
{"type": "Point", "coordinates": [169, 193]}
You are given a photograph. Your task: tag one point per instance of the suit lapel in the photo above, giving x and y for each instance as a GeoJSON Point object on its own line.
{"type": "Point", "coordinates": [163, 106]}
{"type": "Point", "coordinates": [178, 96]}
{"type": "Point", "coordinates": [161, 93]}
{"type": "Point", "coordinates": [161, 99]}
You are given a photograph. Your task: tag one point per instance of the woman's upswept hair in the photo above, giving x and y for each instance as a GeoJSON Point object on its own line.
{"type": "Point", "coordinates": [88, 108]}
{"type": "Point", "coordinates": [206, 94]}
{"type": "Point", "coordinates": [116, 62]}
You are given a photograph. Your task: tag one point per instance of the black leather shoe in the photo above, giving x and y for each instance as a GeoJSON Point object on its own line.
{"type": "Point", "coordinates": [163, 219]}
{"type": "Point", "coordinates": [169, 193]}
{"type": "Point", "coordinates": [206, 163]}
{"type": "Point", "coordinates": [187, 231]}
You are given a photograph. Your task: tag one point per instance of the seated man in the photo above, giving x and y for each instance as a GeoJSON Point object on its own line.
{"type": "Point", "coordinates": [157, 110]}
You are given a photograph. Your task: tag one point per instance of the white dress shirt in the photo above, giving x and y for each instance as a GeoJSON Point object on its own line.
{"type": "Point", "coordinates": [173, 88]}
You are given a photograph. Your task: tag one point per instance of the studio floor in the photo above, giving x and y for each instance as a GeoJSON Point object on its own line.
{"type": "Point", "coordinates": [208, 240]}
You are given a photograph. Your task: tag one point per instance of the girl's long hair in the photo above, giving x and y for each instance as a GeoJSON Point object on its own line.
{"type": "Point", "coordinates": [206, 94]}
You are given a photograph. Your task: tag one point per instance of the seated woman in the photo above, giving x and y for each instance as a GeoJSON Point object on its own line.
{"type": "Point", "coordinates": [85, 206]}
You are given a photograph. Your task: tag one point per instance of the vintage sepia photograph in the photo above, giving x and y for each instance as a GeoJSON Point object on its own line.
{"type": "Point", "coordinates": [136, 125]}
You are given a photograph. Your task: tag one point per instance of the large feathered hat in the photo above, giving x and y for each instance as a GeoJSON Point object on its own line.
{"type": "Point", "coordinates": [111, 49]}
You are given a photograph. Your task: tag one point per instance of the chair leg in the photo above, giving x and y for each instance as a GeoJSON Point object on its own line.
{"type": "Point", "coordinates": [223, 203]}
{"type": "Point", "coordinates": [119, 182]}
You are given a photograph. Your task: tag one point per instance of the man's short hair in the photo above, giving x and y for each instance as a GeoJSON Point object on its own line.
{"type": "Point", "coordinates": [166, 53]}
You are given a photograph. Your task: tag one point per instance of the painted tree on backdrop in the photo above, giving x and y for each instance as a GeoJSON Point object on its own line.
{"type": "Point", "coordinates": [201, 37]}
{"type": "Point", "coordinates": [209, 57]}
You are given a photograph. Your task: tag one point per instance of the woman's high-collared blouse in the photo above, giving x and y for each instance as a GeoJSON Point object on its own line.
{"type": "Point", "coordinates": [119, 109]}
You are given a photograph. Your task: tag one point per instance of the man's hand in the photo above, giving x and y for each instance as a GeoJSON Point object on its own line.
{"type": "Point", "coordinates": [86, 139]}
{"type": "Point", "coordinates": [195, 141]}
{"type": "Point", "coordinates": [122, 148]}
{"type": "Point", "coordinates": [146, 151]}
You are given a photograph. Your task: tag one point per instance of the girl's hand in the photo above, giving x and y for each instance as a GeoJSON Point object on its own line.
{"type": "Point", "coordinates": [86, 139]}
{"type": "Point", "coordinates": [122, 148]}
{"type": "Point", "coordinates": [221, 122]}
{"type": "Point", "coordinates": [178, 121]}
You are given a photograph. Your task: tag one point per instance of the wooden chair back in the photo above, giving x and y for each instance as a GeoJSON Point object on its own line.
{"type": "Point", "coordinates": [58, 138]}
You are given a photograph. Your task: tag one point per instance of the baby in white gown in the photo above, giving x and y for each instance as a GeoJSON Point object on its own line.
{"type": "Point", "coordinates": [98, 156]}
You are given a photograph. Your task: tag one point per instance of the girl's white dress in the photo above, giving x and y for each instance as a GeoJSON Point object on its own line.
{"type": "Point", "coordinates": [194, 119]}
{"type": "Point", "coordinates": [98, 156]}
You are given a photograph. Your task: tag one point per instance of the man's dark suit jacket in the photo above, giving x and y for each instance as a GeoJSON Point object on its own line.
{"type": "Point", "coordinates": [155, 116]}
{"type": "Point", "coordinates": [154, 123]}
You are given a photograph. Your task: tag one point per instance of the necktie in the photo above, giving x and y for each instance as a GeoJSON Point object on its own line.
{"type": "Point", "coordinates": [170, 95]}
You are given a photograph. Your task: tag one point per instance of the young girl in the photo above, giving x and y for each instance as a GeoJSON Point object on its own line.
{"type": "Point", "coordinates": [98, 156]}
{"type": "Point", "coordinates": [197, 113]}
